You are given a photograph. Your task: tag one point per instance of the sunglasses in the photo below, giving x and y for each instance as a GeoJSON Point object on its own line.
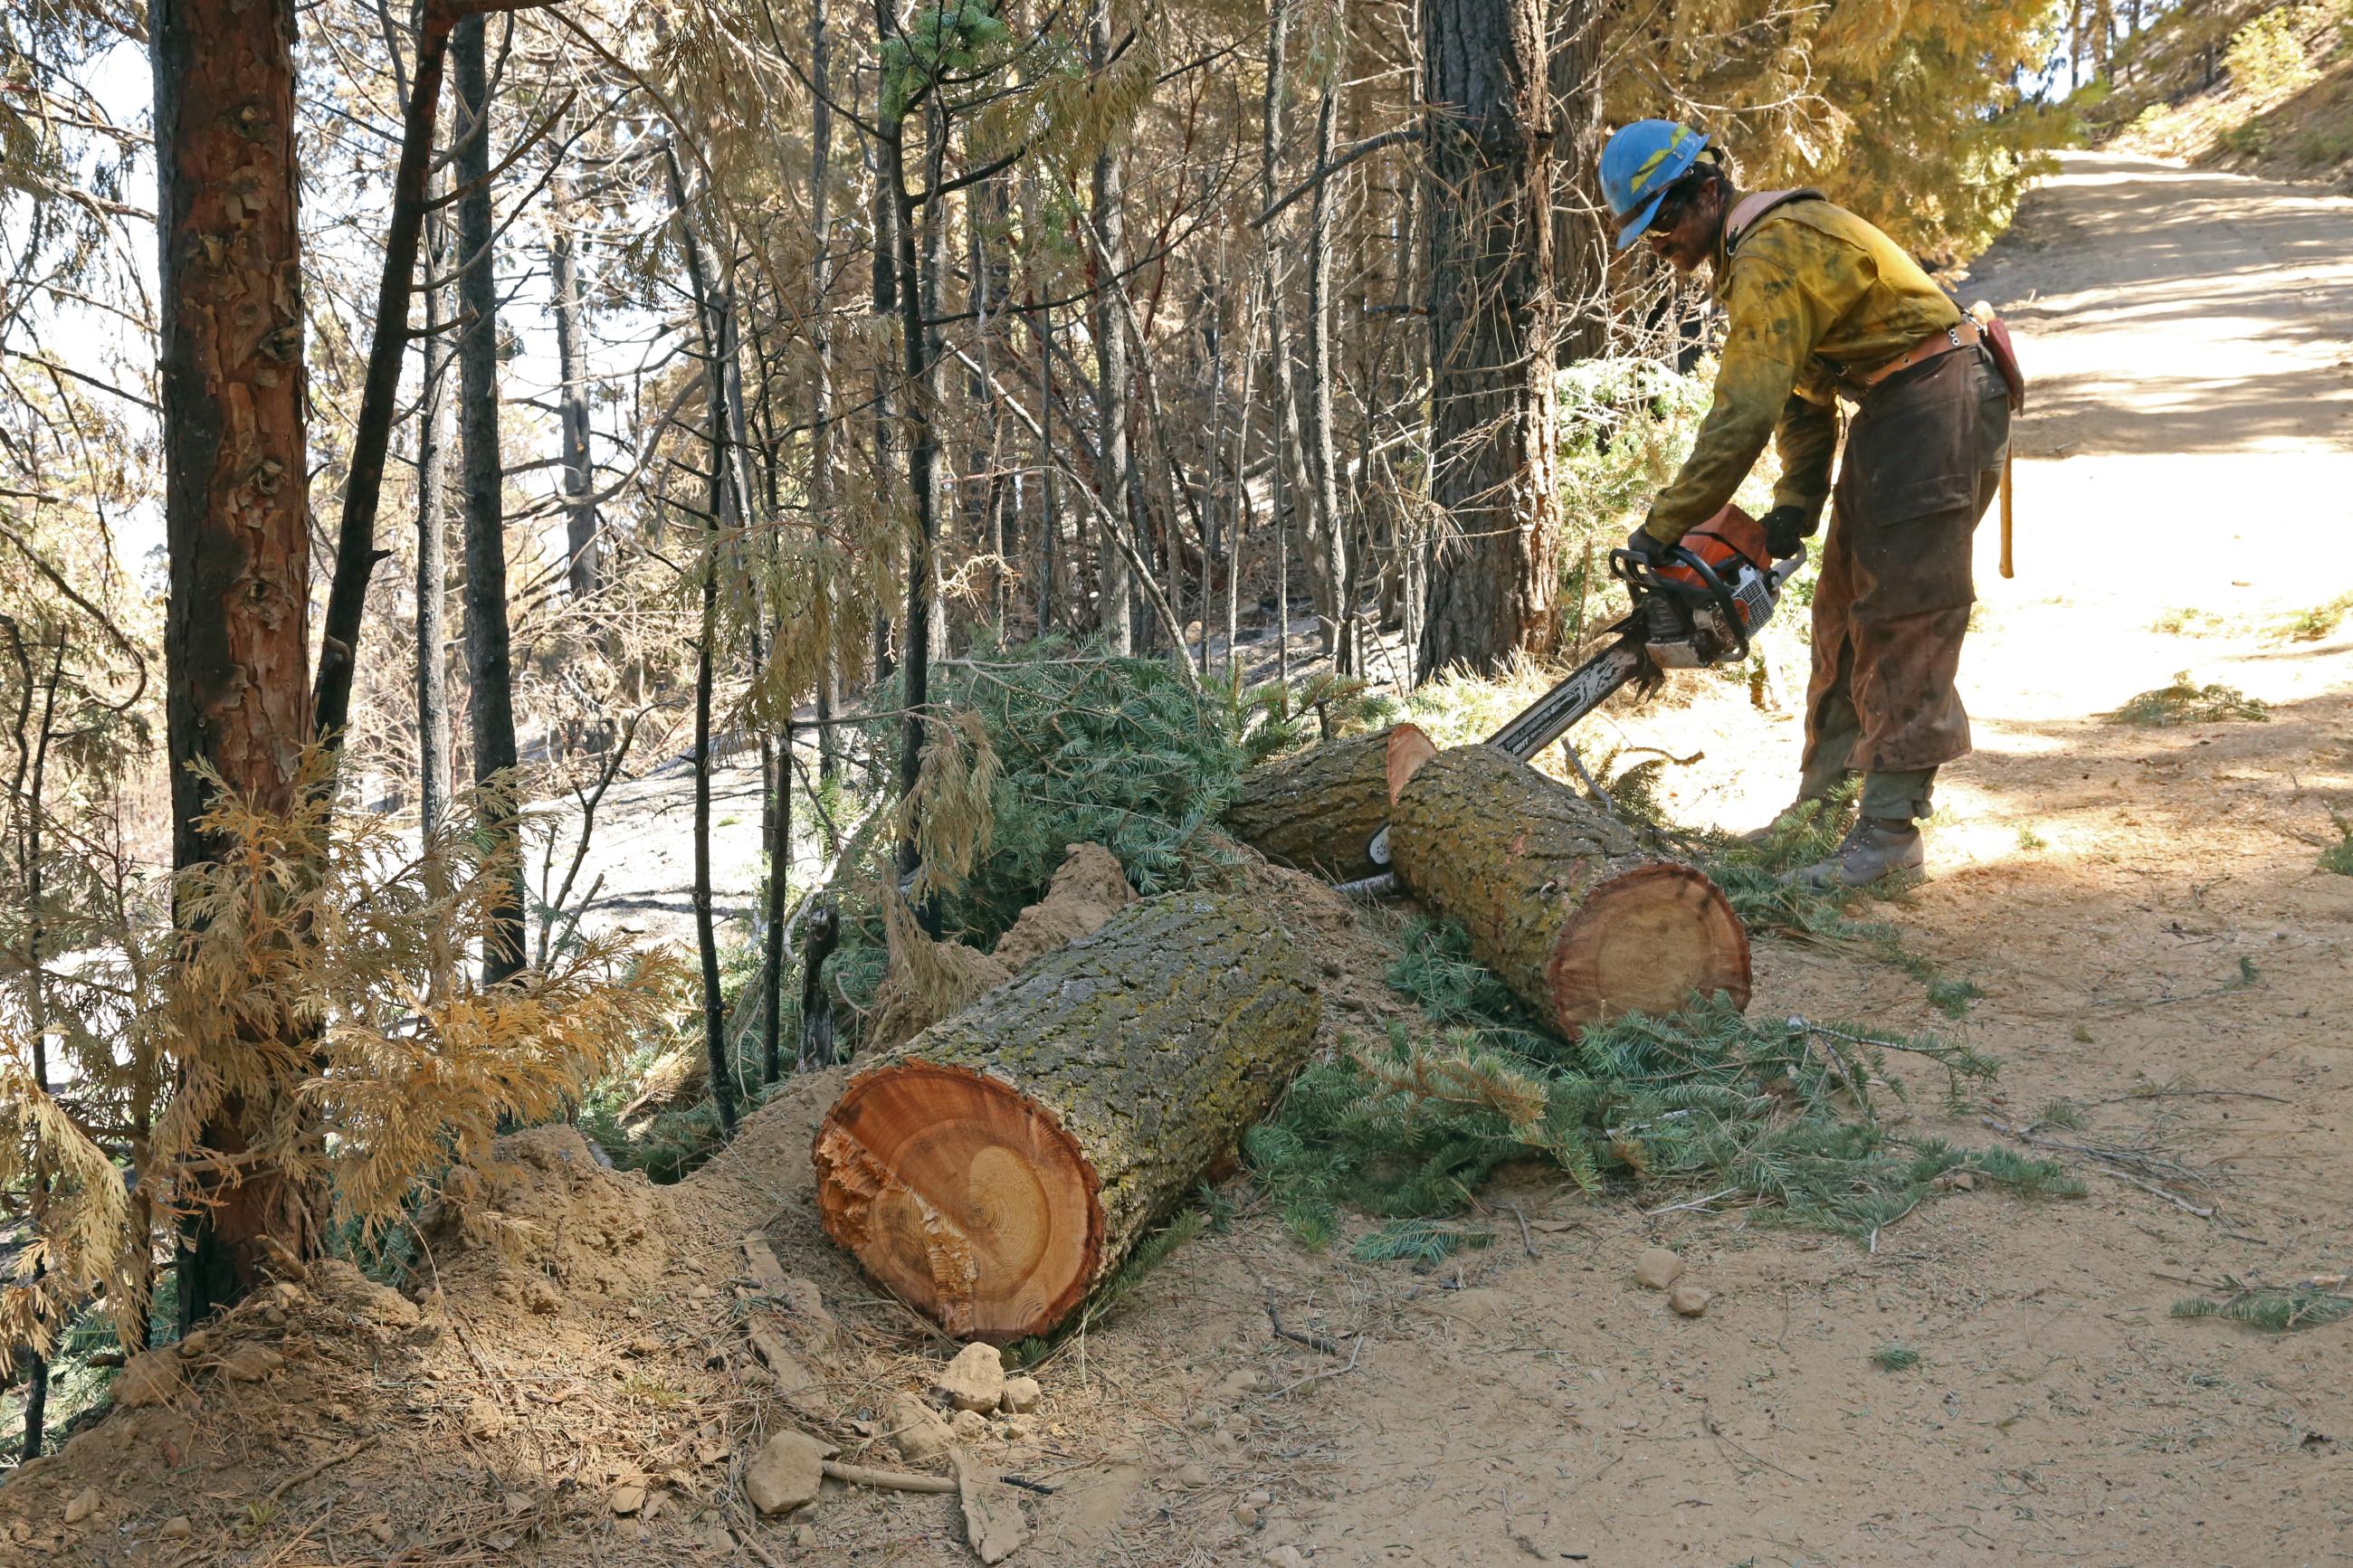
{"type": "Point", "coordinates": [1676, 204]}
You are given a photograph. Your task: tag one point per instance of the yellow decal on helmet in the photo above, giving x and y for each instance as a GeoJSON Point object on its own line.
{"type": "Point", "coordinates": [1651, 164]}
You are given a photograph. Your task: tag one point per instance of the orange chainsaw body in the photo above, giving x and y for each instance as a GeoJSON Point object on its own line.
{"type": "Point", "coordinates": [1726, 542]}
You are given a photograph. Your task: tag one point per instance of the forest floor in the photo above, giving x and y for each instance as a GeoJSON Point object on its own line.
{"type": "Point", "coordinates": [2141, 908]}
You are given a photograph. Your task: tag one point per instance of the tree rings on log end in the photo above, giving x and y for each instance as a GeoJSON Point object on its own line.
{"type": "Point", "coordinates": [962, 1196]}
{"type": "Point", "coordinates": [1643, 942]}
{"type": "Point", "coordinates": [1408, 748]}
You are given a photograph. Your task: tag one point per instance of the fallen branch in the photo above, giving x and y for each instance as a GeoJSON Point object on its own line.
{"type": "Point", "coordinates": [888, 1481]}
{"type": "Point", "coordinates": [1313, 1341]}
{"type": "Point", "coordinates": [315, 1471]}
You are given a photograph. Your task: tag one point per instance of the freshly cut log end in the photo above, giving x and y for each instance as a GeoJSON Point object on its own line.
{"type": "Point", "coordinates": [996, 1169]}
{"type": "Point", "coordinates": [1563, 903]}
{"type": "Point", "coordinates": [1644, 942]}
{"type": "Point", "coordinates": [1317, 810]}
{"type": "Point", "coordinates": [962, 1195]}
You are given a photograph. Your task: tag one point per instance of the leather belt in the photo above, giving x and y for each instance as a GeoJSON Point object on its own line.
{"type": "Point", "coordinates": [1962, 334]}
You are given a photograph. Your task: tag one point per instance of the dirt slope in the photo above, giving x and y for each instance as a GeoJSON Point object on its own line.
{"type": "Point", "coordinates": [2141, 908]}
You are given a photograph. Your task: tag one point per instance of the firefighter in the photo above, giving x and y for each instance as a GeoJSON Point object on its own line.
{"type": "Point", "coordinates": [1823, 306]}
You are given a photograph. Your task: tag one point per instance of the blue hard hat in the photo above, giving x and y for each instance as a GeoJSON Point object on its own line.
{"type": "Point", "coordinates": [1637, 164]}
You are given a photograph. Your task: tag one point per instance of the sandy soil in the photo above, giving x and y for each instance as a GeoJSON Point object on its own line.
{"type": "Point", "coordinates": [2188, 445]}
{"type": "Point", "coordinates": [2141, 908]}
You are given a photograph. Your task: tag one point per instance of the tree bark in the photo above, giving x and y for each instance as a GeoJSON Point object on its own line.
{"type": "Point", "coordinates": [432, 554]}
{"type": "Point", "coordinates": [711, 336]}
{"type": "Point", "coordinates": [489, 659]}
{"type": "Point", "coordinates": [1327, 542]}
{"type": "Point", "coordinates": [237, 517]}
{"type": "Point", "coordinates": [355, 551]}
{"type": "Point", "coordinates": [1318, 810]}
{"type": "Point", "coordinates": [1580, 240]}
{"type": "Point", "coordinates": [1005, 1161]}
{"type": "Point", "coordinates": [1564, 903]}
{"type": "Point", "coordinates": [1115, 476]}
{"type": "Point", "coordinates": [1487, 169]}
{"type": "Point", "coordinates": [572, 398]}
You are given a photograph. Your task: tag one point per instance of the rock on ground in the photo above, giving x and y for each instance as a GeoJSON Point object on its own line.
{"type": "Point", "coordinates": [1689, 1300]}
{"type": "Point", "coordinates": [975, 1379]}
{"type": "Point", "coordinates": [786, 1472]}
{"type": "Point", "coordinates": [1657, 1269]}
{"type": "Point", "coordinates": [916, 1429]}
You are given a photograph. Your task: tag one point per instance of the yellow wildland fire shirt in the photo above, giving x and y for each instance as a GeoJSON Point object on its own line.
{"type": "Point", "coordinates": [1810, 282]}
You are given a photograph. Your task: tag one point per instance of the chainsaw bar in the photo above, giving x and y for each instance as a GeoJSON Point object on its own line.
{"type": "Point", "coordinates": [1551, 716]}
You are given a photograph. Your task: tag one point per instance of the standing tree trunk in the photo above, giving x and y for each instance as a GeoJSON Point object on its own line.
{"type": "Point", "coordinates": [432, 549]}
{"type": "Point", "coordinates": [237, 526]}
{"type": "Point", "coordinates": [488, 661]}
{"type": "Point", "coordinates": [1327, 543]}
{"type": "Point", "coordinates": [572, 398]}
{"type": "Point", "coordinates": [1580, 240]}
{"type": "Point", "coordinates": [1487, 169]}
{"type": "Point", "coordinates": [1115, 476]}
{"type": "Point", "coordinates": [711, 335]}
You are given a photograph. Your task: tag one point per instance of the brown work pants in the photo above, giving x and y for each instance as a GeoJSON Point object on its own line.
{"type": "Point", "coordinates": [1923, 456]}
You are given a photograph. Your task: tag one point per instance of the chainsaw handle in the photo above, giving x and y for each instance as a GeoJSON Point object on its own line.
{"type": "Point", "coordinates": [1631, 569]}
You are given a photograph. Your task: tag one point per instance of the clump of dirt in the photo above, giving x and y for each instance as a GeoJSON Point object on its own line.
{"type": "Point", "coordinates": [1087, 889]}
{"type": "Point", "coordinates": [931, 980]}
{"type": "Point", "coordinates": [547, 1219]}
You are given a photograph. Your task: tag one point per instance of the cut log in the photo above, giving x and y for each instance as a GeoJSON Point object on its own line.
{"type": "Point", "coordinates": [1563, 903]}
{"type": "Point", "coordinates": [1318, 810]}
{"type": "Point", "coordinates": [996, 1169]}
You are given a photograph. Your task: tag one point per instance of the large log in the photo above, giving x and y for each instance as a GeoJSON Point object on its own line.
{"type": "Point", "coordinates": [1561, 901]}
{"type": "Point", "coordinates": [997, 1168]}
{"type": "Point", "coordinates": [1317, 810]}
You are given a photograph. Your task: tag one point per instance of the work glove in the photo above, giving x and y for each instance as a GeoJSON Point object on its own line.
{"type": "Point", "coordinates": [1785, 527]}
{"type": "Point", "coordinates": [1646, 547]}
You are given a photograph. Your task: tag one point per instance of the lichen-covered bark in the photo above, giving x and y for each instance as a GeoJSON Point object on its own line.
{"type": "Point", "coordinates": [1151, 1044]}
{"type": "Point", "coordinates": [1318, 811]}
{"type": "Point", "coordinates": [1482, 838]}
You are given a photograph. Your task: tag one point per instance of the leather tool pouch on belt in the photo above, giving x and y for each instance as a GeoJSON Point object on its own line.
{"type": "Point", "coordinates": [1994, 333]}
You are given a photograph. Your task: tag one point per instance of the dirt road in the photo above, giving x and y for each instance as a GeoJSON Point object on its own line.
{"type": "Point", "coordinates": [2144, 913]}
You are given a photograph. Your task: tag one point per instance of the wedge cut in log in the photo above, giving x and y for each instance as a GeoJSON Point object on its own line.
{"type": "Point", "coordinates": [994, 1170]}
{"type": "Point", "coordinates": [1318, 810]}
{"type": "Point", "coordinates": [1562, 902]}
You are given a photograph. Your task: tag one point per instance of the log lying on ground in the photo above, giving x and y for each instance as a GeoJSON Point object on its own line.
{"type": "Point", "coordinates": [1317, 810]}
{"type": "Point", "coordinates": [1002, 1163]}
{"type": "Point", "coordinates": [1561, 901]}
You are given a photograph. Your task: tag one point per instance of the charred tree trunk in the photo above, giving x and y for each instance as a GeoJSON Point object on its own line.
{"type": "Point", "coordinates": [1487, 169]}
{"type": "Point", "coordinates": [1002, 1163]}
{"type": "Point", "coordinates": [1580, 240]}
{"type": "Point", "coordinates": [1327, 542]}
{"type": "Point", "coordinates": [1318, 811]}
{"type": "Point", "coordinates": [710, 337]}
{"type": "Point", "coordinates": [237, 517]}
{"type": "Point", "coordinates": [1561, 901]}
{"type": "Point", "coordinates": [432, 554]}
{"type": "Point", "coordinates": [1115, 476]}
{"type": "Point", "coordinates": [572, 398]}
{"type": "Point", "coordinates": [489, 659]}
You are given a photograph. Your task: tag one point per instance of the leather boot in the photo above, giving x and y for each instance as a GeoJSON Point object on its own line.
{"type": "Point", "coordinates": [1874, 848]}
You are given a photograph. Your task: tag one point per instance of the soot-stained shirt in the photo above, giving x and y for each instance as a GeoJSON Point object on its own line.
{"type": "Point", "coordinates": [1809, 283]}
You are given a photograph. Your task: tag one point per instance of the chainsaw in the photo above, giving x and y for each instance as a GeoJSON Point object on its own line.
{"type": "Point", "coordinates": [1699, 609]}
